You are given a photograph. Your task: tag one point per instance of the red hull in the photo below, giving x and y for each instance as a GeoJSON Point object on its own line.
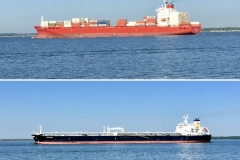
{"type": "Point", "coordinates": [113, 31]}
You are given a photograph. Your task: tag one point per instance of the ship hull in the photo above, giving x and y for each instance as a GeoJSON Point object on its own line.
{"type": "Point", "coordinates": [113, 31]}
{"type": "Point", "coordinates": [120, 139]}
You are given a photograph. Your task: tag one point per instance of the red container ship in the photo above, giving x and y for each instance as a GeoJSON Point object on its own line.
{"type": "Point", "coordinates": [167, 22]}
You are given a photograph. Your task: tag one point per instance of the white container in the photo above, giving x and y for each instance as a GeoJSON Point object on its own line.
{"type": "Point", "coordinates": [67, 23]}
{"type": "Point", "coordinates": [93, 25]}
{"type": "Point", "coordinates": [44, 24]}
{"type": "Point", "coordinates": [150, 24]}
{"type": "Point", "coordinates": [102, 24]}
{"type": "Point", "coordinates": [85, 19]}
{"type": "Point", "coordinates": [75, 20]}
{"type": "Point", "coordinates": [93, 21]}
{"type": "Point", "coordinates": [130, 25]}
{"type": "Point", "coordinates": [133, 23]}
{"type": "Point", "coordinates": [67, 26]}
{"type": "Point", "coordinates": [52, 22]}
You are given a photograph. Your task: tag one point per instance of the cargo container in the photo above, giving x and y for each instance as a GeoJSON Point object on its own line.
{"type": "Point", "coordinates": [93, 21]}
{"type": "Point", "coordinates": [67, 23]}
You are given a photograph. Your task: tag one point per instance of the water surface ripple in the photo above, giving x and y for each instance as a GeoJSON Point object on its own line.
{"type": "Point", "coordinates": [203, 56]}
{"type": "Point", "coordinates": [217, 149]}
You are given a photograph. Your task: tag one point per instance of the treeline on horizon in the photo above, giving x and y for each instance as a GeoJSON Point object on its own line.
{"type": "Point", "coordinates": [229, 137]}
{"type": "Point", "coordinates": [16, 34]}
{"type": "Point", "coordinates": [221, 29]}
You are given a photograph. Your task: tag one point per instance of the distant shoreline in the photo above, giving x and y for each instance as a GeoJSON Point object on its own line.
{"type": "Point", "coordinates": [7, 35]}
{"type": "Point", "coordinates": [16, 140]}
{"type": "Point", "coordinates": [230, 137]}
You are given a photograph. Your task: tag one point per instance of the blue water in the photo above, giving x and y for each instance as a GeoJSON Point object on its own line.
{"type": "Point", "coordinates": [203, 56]}
{"type": "Point", "coordinates": [217, 149]}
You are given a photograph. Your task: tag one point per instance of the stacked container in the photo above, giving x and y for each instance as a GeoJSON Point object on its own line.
{"type": "Point", "coordinates": [122, 22]}
{"type": "Point", "coordinates": [75, 22]}
{"type": "Point", "coordinates": [83, 21]}
{"type": "Point", "coordinates": [140, 23]}
{"type": "Point", "coordinates": [93, 23]}
{"type": "Point", "coordinates": [103, 23]}
{"type": "Point", "coordinates": [178, 17]}
{"type": "Point", "coordinates": [150, 20]}
{"type": "Point", "coordinates": [52, 23]}
{"type": "Point", "coordinates": [44, 24]}
{"type": "Point", "coordinates": [130, 24]}
{"type": "Point", "coordinates": [67, 23]}
{"type": "Point", "coordinates": [60, 24]}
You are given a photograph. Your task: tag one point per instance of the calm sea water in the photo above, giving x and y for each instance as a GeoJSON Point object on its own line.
{"type": "Point", "coordinates": [203, 56]}
{"type": "Point", "coordinates": [217, 149]}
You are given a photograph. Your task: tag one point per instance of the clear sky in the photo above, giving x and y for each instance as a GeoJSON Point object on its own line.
{"type": "Point", "coordinates": [135, 106]}
{"type": "Point", "coordinates": [22, 15]}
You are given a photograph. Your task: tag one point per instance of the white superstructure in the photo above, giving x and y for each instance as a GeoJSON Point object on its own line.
{"type": "Point", "coordinates": [194, 128]}
{"type": "Point", "coordinates": [168, 16]}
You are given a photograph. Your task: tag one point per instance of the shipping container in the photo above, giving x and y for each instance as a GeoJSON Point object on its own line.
{"type": "Point", "coordinates": [44, 24]}
{"type": "Point", "coordinates": [93, 25]}
{"type": "Point", "coordinates": [76, 25]}
{"type": "Point", "coordinates": [102, 25]}
{"type": "Point", "coordinates": [150, 24]}
{"type": "Point", "coordinates": [67, 23]}
{"type": "Point", "coordinates": [93, 21]}
{"type": "Point", "coordinates": [52, 22]}
{"type": "Point", "coordinates": [130, 25]}
{"type": "Point", "coordinates": [133, 23]}
{"type": "Point", "coordinates": [75, 20]}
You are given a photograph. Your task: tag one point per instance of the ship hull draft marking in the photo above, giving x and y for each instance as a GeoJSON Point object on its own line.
{"type": "Point", "coordinates": [167, 22]}
{"type": "Point", "coordinates": [185, 133]}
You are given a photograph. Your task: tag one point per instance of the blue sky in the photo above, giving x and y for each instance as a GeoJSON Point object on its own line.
{"type": "Point", "coordinates": [22, 15]}
{"type": "Point", "coordinates": [135, 106]}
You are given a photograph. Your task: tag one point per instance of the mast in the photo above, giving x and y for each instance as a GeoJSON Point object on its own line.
{"type": "Point", "coordinates": [40, 128]}
{"type": "Point", "coordinates": [185, 119]}
{"type": "Point", "coordinates": [42, 20]}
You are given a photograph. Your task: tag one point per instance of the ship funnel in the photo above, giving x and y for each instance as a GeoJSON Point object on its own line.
{"type": "Point", "coordinates": [197, 123]}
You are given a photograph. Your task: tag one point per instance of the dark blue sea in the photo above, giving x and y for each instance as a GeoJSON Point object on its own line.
{"type": "Point", "coordinates": [204, 56]}
{"type": "Point", "coordinates": [216, 150]}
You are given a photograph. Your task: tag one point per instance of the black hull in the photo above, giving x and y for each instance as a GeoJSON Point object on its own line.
{"type": "Point", "coordinates": [41, 139]}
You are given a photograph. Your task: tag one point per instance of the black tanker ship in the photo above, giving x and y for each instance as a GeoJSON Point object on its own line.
{"type": "Point", "coordinates": [185, 133]}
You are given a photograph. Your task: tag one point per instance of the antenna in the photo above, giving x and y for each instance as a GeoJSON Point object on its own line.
{"type": "Point", "coordinates": [186, 119]}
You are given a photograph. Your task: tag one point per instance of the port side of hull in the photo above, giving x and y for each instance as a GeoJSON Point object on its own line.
{"type": "Point", "coordinates": [56, 32]}
{"type": "Point", "coordinates": [120, 139]}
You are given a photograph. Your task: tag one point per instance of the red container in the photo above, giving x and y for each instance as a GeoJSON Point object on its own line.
{"type": "Point", "coordinates": [76, 25]}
